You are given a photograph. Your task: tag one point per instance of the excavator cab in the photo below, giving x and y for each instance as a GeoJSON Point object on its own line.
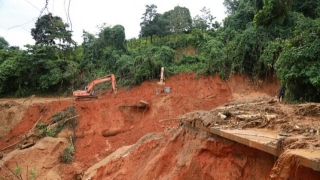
{"type": "Point", "coordinates": [87, 89]}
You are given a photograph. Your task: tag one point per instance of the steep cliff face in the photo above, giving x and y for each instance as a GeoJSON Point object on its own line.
{"type": "Point", "coordinates": [186, 153]}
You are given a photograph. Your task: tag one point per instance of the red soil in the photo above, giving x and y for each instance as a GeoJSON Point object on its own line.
{"type": "Point", "coordinates": [169, 153]}
{"type": "Point", "coordinates": [187, 94]}
{"type": "Point", "coordinates": [188, 154]}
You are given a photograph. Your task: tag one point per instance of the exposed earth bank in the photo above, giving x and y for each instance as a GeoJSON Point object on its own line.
{"type": "Point", "coordinates": [117, 137]}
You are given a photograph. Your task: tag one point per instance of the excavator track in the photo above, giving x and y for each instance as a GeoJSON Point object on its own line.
{"type": "Point", "coordinates": [86, 98]}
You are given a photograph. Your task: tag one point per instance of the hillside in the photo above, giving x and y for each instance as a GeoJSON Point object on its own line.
{"type": "Point", "coordinates": [119, 138]}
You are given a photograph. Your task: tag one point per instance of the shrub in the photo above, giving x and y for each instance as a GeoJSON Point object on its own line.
{"type": "Point", "coordinates": [68, 153]}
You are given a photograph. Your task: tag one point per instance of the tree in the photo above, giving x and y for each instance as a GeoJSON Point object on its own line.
{"type": "Point", "coordinates": [114, 37]}
{"type": "Point", "coordinates": [148, 26]}
{"type": "Point", "coordinates": [49, 68]}
{"type": "Point", "coordinates": [204, 21]}
{"type": "Point", "coordinates": [3, 43]}
{"type": "Point", "coordinates": [272, 11]}
{"type": "Point", "coordinates": [235, 5]}
{"type": "Point", "coordinates": [309, 8]}
{"type": "Point", "coordinates": [101, 53]}
{"type": "Point", "coordinates": [152, 24]}
{"type": "Point", "coordinates": [241, 15]}
{"type": "Point", "coordinates": [179, 19]}
{"type": "Point", "coordinates": [214, 54]}
{"type": "Point", "coordinates": [247, 49]}
{"type": "Point", "coordinates": [50, 29]}
{"type": "Point", "coordinates": [150, 14]}
{"type": "Point", "coordinates": [299, 63]}
{"type": "Point", "coordinates": [13, 71]}
{"type": "Point", "coordinates": [231, 5]}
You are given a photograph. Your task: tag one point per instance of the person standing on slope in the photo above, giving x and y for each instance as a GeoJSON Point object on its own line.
{"type": "Point", "coordinates": [281, 93]}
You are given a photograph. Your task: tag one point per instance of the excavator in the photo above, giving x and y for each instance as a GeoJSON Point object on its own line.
{"type": "Point", "coordinates": [88, 93]}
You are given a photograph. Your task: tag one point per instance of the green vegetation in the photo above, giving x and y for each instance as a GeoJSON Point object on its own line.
{"type": "Point", "coordinates": [68, 152]}
{"type": "Point", "coordinates": [16, 173]}
{"type": "Point", "coordinates": [260, 38]}
{"type": "Point", "coordinates": [61, 119]}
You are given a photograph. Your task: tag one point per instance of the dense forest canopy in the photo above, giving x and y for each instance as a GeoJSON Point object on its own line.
{"type": "Point", "coordinates": [259, 38]}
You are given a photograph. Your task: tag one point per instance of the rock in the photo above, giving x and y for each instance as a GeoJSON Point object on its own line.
{"type": "Point", "coordinates": [111, 132]}
{"type": "Point", "coordinates": [222, 116]}
{"type": "Point", "coordinates": [41, 146]}
{"type": "Point", "coordinates": [313, 130]}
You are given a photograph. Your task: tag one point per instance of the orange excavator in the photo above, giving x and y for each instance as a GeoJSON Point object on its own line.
{"type": "Point", "coordinates": [88, 93]}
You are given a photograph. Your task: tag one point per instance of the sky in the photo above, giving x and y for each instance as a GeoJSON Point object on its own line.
{"type": "Point", "coordinates": [18, 17]}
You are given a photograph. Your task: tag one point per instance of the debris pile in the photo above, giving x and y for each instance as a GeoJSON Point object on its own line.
{"type": "Point", "coordinates": [257, 113]}
{"type": "Point", "coordinates": [297, 125]}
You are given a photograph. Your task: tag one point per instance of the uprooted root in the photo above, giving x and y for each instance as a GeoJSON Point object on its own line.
{"type": "Point", "coordinates": [310, 109]}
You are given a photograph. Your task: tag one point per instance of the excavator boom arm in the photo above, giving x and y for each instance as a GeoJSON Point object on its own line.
{"type": "Point", "coordinates": [102, 79]}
